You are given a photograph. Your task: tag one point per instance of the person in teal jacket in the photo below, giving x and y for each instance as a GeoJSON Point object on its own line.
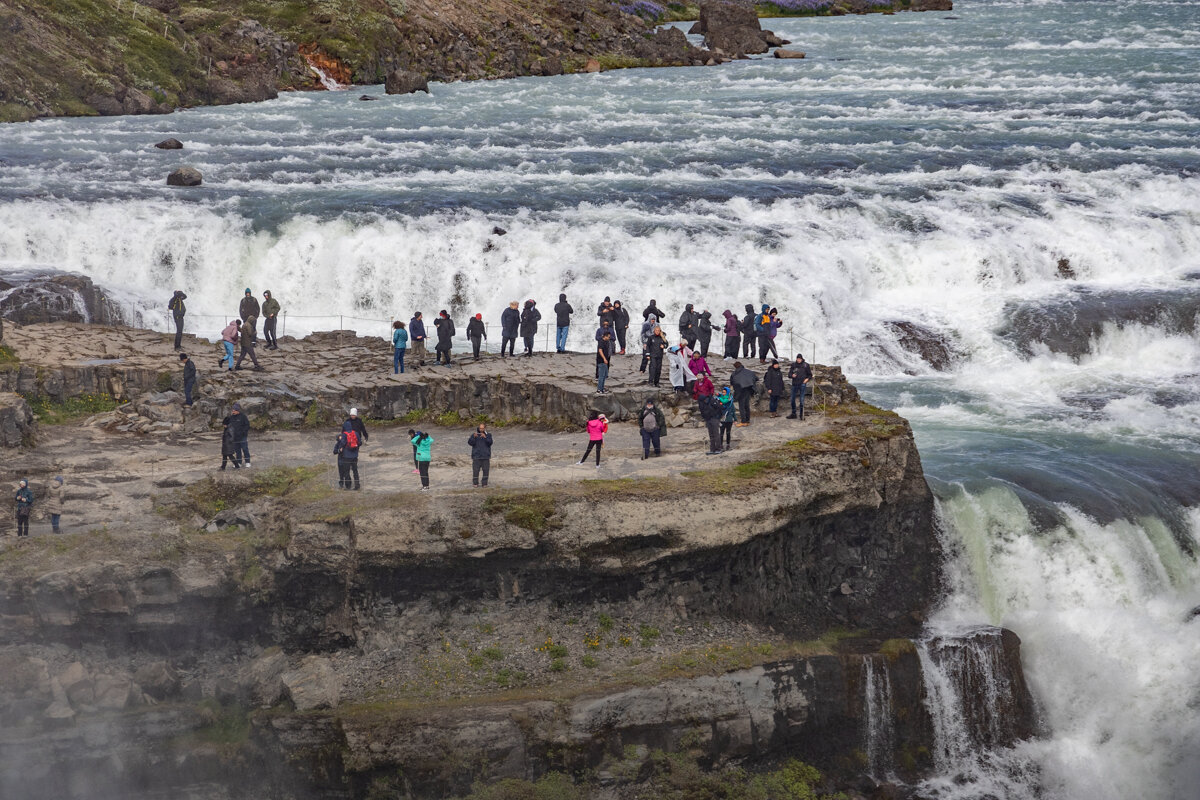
{"type": "Point", "coordinates": [423, 446]}
{"type": "Point", "coordinates": [728, 415]}
{"type": "Point", "coordinates": [400, 343]}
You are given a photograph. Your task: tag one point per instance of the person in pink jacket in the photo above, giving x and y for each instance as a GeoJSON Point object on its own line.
{"type": "Point", "coordinates": [597, 426]}
{"type": "Point", "coordinates": [698, 364]}
{"type": "Point", "coordinates": [228, 337]}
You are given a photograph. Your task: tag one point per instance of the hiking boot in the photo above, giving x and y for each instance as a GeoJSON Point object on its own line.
{"type": "Point", "coordinates": [790, 416]}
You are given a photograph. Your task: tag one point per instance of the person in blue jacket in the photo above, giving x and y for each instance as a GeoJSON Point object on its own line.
{"type": "Point", "coordinates": [399, 345]}
{"type": "Point", "coordinates": [416, 335]}
{"type": "Point", "coordinates": [510, 322]}
{"type": "Point", "coordinates": [423, 444]}
{"type": "Point", "coordinates": [346, 450]}
{"type": "Point", "coordinates": [481, 454]}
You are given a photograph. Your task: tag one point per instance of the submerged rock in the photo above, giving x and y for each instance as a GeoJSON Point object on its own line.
{"type": "Point", "coordinates": [170, 144]}
{"type": "Point", "coordinates": [185, 176]}
{"type": "Point", "coordinates": [781, 53]}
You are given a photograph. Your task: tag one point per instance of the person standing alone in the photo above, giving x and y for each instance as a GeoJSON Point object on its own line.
{"type": "Point", "coordinates": [800, 375]}
{"type": "Point", "coordinates": [178, 309]}
{"type": "Point", "coordinates": [270, 312]}
{"type": "Point", "coordinates": [55, 497]}
{"type": "Point", "coordinates": [189, 379]}
{"type": "Point", "coordinates": [529, 324]}
{"type": "Point", "coordinates": [480, 443]}
{"type": "Point", "coordinates": [476, 334]}
{"type": "Point", "coordinates": [510, 322]}
{"type": "Point", "coordinates": [562, 314]}
{"type": "Point", "coordinates": [399, 345]}
{"type": "Point", "coordinates": [24, 501]}
{"type": "Point", "coordinates": [423, 444]}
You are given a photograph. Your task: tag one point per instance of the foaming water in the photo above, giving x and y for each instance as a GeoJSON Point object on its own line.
{"type": "Point", "coordinates": [1018, 184]}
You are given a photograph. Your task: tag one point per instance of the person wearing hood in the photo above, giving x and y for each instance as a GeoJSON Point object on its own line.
{"type": "Point", "coordinates": [656, 347]}
{"type": "Point", "coordinates": [762, 329]}
{"type": "Point", "coordinates": [178, 309]}
{"type": "Point", "coordinates": [606, 311]}
{"type": "Point", "coordinates": [597, 426]}
{"type": "Point", "coordinates": [773, 383]}
{"type": "Point", "coordinates": [562, 320]}
{"type": "Point", "coordinates": [653, 310]}
{"type": "Point", "coordinates": [189, 379]}
{"type": "Point", "coordinates": [249, 308]}
{"type": "Point", "coordinates": [679, 372]}
{"type": "Point", "coordinates": [529, 324]}
{"type": "Point", "coordinates": [704, 331]}
{"type": "Point", "coordinates": [749, 334]}
{"type": "Point", "coordinates": [360, 428]}
{"type": "Point", "coordinates": [728, 415]}
{"type": "Point", "coordinates": [653, 426]}
{"type": "Point", "coordinates": [476, 334]}
{"type": "Point", "coordinates": [24, 501]}
{"type": "Point", "coordinates": [270, 312]}
{"type": "Point", "coordinates": [229, 337]}
{"type": "Point", "coordinates": [445, 336]}
{"type": "Point", "coordinates": [346, 450]}
{"type": "Point", "coordinates": [241, 433]}
{"type": "Point", "coordinates": [733, 337]}
{"type": "Point", "coordinates": [703, 387]}
{"type": "Point", "coordinates": [399, 346]}
{"type": "Point", "coordinates": [423, 444]}
{"type": "Point", "coordinates": [800, 375]}
{"type": "Point", "coordinates": [772, 325]}
{"type": "Point", "coordinates": [698, 364]}
{"type": "Point", "coordinates": [55, 497]}
{"type": "Point", "coordinates": [743, 380]}
{"type": "Point", "coordinates": [620, 325]}
{"type": "Point", "coordinates": [687, 325]}
{"type": "Point", "coordinates": [510, 322]}
{"type": "Point", "coordinates": [710, 412]}
{"type": "Point", "coordinates": [480, 443]}
{"type": "Point", "coordinates": [416, 335]}
{"type": "Point", "coordinates": [247, 339]}
{"type": "Point", "coordinates": [229, 448]}
{"type": "Point", "coordinates": [647, 331]}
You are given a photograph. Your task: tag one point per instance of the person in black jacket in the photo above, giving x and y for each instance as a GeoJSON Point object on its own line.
{"type": "Point", "coordinates": [510, 322]}
{"type": "Point", "coordinates": [773, 383]}
{"type": "Point", "coordinates": [481, 454]}
{"type": "Point", "coordinates": [749, 334]}
{"type": "Point", "coordinates": [229, 450]}
{"type": "Point", "coordinates": [653, 309]}
{"type": "Point", "coordinates": [800, 375]}
{"type": "Point", "coordinates": [347, 457]}
{"type": "Point", "coordinates": [359, 428]}
{"type": "Point", "coordinates": [240, 425]}
{"type": "Point", "coordinates": [710, 412]}
{"type": "Point", "coordinates": [742, 380]}
{"type": "Point", "coordinates": [620, 324]}
{"type": "Point", "coordinates": [704, 331]}
{"type": "Point", "coordinates": [529, 320]}
{"type": "Point", "coordinates": [249, 308]}
{"type": "Point", "coordinates": [687, 326]}
{"type": "Point", "coordinates": [656, 347]}
{"type": "Point", "coordinates": [178, 309]}
{"type": "Point", "coordinates": [562, 314]}
{"type": "Point", "coordinates": [189, 379]}
{"type": "Point", "coordinates": [605, 311]}
{"type": "Point", "coordinates": [445, 336]}
{"type": "Point", "coordinates": [476, 333]}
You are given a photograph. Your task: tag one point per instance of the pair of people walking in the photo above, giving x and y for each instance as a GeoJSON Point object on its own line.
{"type": "Point", "coordinates": [24, 500]}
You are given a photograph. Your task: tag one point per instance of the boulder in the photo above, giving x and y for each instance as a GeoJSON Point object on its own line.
{"type": "Point", "coordinates": [931, 5]}
{"type": "Point", "coordinates": [934, 348]}
{"type": "Point", "coordinates": [115, 692]}
{"type": "Point", "coordinates": [170, 144]}
{"type": "Point", "coordinates": [18, 428]}
{"type": "Point", "coordinates": [158, 679]}
{"type": "Point", "coordinates": [314, 684]}
{"type": "Point", "coordinates": [781, 53]}
{"type": "Point", "coordinates": [401, 81]}
{"type": "Point", "coordinates": [732, 29]}
{"type": "Point", "coordinates": [367, 97]}
{"type": "Point", "coordinates": [261, 679]}
{"type": "Point", "coordinates": [185, 176]}
{"type": "Point", "coordinates": [31, 297]}
{"type": "Point", "coordinates": [774, 41]}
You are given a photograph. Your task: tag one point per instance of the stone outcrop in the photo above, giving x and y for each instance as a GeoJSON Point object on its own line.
{"type": "Point", "coordinates": [32, 297]}
{"type": "Point", "coordinates": [18, 428]}
{"type": "Point", "coordinates": [185, 176]}
{"type": "Point", "coordinates": [932, 5]}
{"type": "Point", "coordinates": [782, 53]}
{"type": "Point", "coordinates": [400, 81]}
{"type": "Point", "coordinates": [733, 29]}
{"type": "Point", "coordinates": [170, 144]}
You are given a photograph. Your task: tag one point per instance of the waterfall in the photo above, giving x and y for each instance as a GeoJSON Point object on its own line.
{"type": "Point", "coordinates": [880, 732]}
{"type": "Point", "coordinates": [326, 80]}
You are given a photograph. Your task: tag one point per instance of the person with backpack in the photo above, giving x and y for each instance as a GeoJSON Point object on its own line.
{"type": "Point", "coordinates": [653, 426]}
{"type": "Point", "coordinates": [704, 331]}
{"type": "Point", "coordinates": [728, 415]}
{"type": "Point", "coordinates": [480, 443]}
{"type": "Point", "coordinates": [710, 412]}
{"type": "Point", "coordinates": [800, 375]}
{"type": "Point", "coordinates": [24, 501]}
{"type": "Point", "coordinates": [270, 312]}
{"type": "Point", "coordinates": [189, 379]}
{"type": "Point", "coordinates": [733, 337]}
{"type": "Point", "coordinates": [620, 325]}
{"type": "Point", "coordinates": [247, 339]}
{"type": "Point", "coordinates": [762, 323]}
{"type": "Point", "coordinates": [476, 334]}
{"type": "Point", "coordinates": [399, 345]}
{"type": "Point", "coordinates": [743, 380]}
{"type": "Point", "coordinates": [562, 319]}
{"type": "Point", "coordinates": [416, 334]}
{"type": "Point", "coordinates": [656, 348]}
{"type": "Point", "coordinates": [529, 324]}
{"type": "Point", "coordinates": [229, 447]}
{"type": "Point", "coordinates": [604, 351]}
{"type": "Point", "coordinates": [773, 383]}
{"type": "Point", "coordinates": [687, 325]}
{"type": "Point", "coordinates": [510, 322]}
{"type": "Point", "coordinates": [346, 450]}
{"type": "Point", "coordinates": [647, 331]}
{"type": "Point", "coordinates": [360, 428]}
{"type": "Point", "coordinates": [178, 309]}
{"type": "Point", "coordinates": [772, 329]}
{"type": "Point", "coordinates": [423, 449]}
{"type": "Point", "coordinates": [748, 331]}
{"type": "Point", "coordinates": [55, 498]}
{"type": "Point", "coordinates": [249, 308]}
{"type": "Point", "coordinates": [445, 336]}
{"type": "Point", "coordinates": [597, 426]}
{"type": "Point", "coordinates": [228, 337]}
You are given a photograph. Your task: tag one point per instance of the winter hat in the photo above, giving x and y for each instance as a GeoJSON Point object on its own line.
{"type": "Point", "coordinates": [183, 356]}
{"type": "Point", "coordinates": [24, 482]}
{"type": "Point", "coordinates": [267, 293]}
{"type": "Point", "coordinates": [248, 290]}
{"type": "Point", "coordinates": [58, 479]}
{"type": "Point", "coordinates": [237, 406]}
{"type": "Point", "coordinates": [479, 317]}
{"type": "Point", "coordinates": [354, 412]}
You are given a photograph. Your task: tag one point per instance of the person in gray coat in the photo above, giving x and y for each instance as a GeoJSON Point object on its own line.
{"type": "Point", "coordinates": [481, 454]}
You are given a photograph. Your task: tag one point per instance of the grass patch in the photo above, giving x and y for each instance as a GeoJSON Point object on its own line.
{"type": "Point", "coordinates": [51, 412]}
{"type": "Point", "coordinates": [208, 497]}
{"type": "Point", "coordinates": [532, 511]}
{"type": "Point", "coordinates": [894, 649]}
{"type": "Point", "coordinates": [7, 357]}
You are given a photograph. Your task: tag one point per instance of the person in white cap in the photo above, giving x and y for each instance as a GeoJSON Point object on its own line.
{"type": "Point", "coordinates": [359, 427]}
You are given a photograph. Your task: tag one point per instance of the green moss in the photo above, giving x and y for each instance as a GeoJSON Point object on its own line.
{"type": "Point", "coordinates": [894, 649]}
{"type": "Point", "coordinates": [229, 727]}
{"type": "Point", "coordinates": [50, 412]}
{"type": "Point", "coordinates": [7, 357]}
{"type": "Point", "coordinates": [551, 786]}
{"type": "Point", "coordinates": [532, 511]}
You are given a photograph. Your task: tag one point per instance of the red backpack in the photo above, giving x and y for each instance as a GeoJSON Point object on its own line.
{"type": "Point", "coordinates": [351, 439]}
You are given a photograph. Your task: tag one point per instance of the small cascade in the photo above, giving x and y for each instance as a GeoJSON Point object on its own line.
{"type": "Point", "coordinates": [880, 732]}
{"type": "Point", "coordinates": [326, 80]}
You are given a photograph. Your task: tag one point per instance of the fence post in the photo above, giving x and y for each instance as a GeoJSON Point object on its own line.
{"type": "Point", "coordinates": [285, 323]}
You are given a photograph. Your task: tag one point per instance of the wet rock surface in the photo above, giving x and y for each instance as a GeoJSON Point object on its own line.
{"type": "Point", "coordinates": [28, 297]}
